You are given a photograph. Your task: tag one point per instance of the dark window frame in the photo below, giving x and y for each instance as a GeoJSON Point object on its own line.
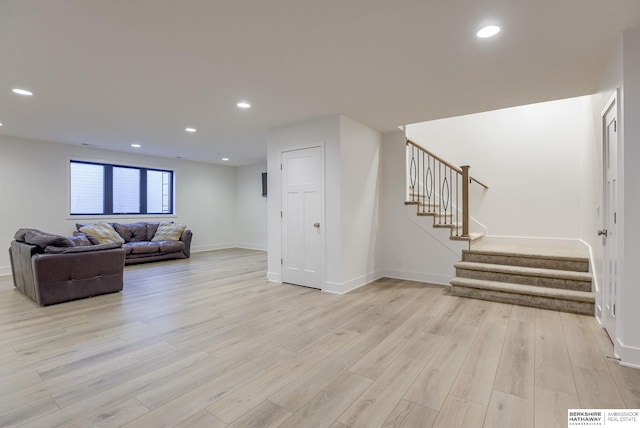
{"type": "Point", "coordinates": [108, 190]}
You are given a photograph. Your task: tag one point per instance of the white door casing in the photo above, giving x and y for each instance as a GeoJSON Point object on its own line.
{"type": "Point", "coordinates": [303, 217]}
{"type": "Point", "coordinates": [609, 220]}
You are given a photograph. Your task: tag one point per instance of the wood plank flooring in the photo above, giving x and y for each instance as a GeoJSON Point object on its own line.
{"type": "Point", "coordinates": [208, 342]}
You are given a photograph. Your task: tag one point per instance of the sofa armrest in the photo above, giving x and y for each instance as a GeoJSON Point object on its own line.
{"type": "Point", "coordinates": [20, 255]}
{"type": "Point", "coordinates": [186, 237]}
{"type": "Point", "coordinates": [64, 277]}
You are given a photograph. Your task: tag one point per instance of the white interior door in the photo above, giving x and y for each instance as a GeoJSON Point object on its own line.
{"type": "Point", "coordinates": [609, 232]}
{"type": "Point", "coordinates": [303, 217]}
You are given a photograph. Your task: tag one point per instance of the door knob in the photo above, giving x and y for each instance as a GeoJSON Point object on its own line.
{"type": "Point", "coordinates": [316, 225]}
{"type": "Point", "coordinates": [602, 232]}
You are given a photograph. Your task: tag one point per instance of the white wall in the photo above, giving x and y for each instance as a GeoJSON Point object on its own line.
{"type": "Point", "coordinates": [532, 159]}
{"type": "Point", "coordinates": [623, 72]}
{"type": "Point", "coordinates": [610, 82]}
{"type": "Point", "coordinates": [408, 252]}
{"type": "Point", "coordinates": [628, 345]}
{"type": "Point", "coordinates": [251, 208]}
{"type": "Point", "coordinates": [361, 181]}
{"type": "Point", "coordinates": [33, 180]}
{"type": "Point", "coordinates": [325, 132]}
{"type": "Point", "coordinates": [352, 168]}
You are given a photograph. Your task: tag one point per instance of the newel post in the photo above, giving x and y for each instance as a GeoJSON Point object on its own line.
{"type": "Point", "coordinates": [465, 200]}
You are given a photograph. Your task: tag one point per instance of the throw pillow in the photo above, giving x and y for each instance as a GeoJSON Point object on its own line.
{"type": "Point", "coordinates": [103, 232]}
{"type": "Point", "coordinates": [22, 233]}
{"type": "Point", "coordinates": [80, 240]}
{"type": "Point", "coordinates": [168, 232]}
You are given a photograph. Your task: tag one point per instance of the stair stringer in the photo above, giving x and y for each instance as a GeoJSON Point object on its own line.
{"type": "Point", "coordinates": [440, 235]}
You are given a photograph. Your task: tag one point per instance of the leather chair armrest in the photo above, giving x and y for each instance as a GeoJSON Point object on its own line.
{"type": "Point", "coordinates": [64, 277]}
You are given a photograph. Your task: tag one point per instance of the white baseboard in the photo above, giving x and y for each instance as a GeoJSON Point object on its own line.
{"type": "Point", "coordinates": [345, 287]}
{"type": "Point", "coordinates": [204, 248]}
{"type": "Point", "coordinates": [629, 355]}
{"type": "Point", "coordinates": [274, 277]}
{"type": "Point", "coordinates": [416, 276]}
{"type": "Point", "coordinates": [257, 247]}
{"type": "Point", "coordinates": [5, 270]}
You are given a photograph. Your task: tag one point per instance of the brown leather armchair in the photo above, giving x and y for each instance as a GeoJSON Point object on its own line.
{"type": "Point", "coordinates": [52, 269]}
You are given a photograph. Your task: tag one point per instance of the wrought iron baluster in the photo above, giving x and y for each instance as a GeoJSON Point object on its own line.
{"type": "Point", "coordinates": [428, 180]}
{"type": "Point", "coordinates": [451, 194]}
{"type": "Point", "coordinates": [445, 194]}
{"type": "Point", "coordinates": [457, 205]}
{"type": "Point", "coordinates": [412, 173]}
{"type": "Point", "coordinates": [440, 193]}
{"type": "Point", "coordinates": [434, 186]}
{"type": "Point", "coordinates": [422, 181]}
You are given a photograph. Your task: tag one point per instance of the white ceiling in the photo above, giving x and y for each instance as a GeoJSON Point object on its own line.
{"type": "Point", "coordinates": [113, 72]}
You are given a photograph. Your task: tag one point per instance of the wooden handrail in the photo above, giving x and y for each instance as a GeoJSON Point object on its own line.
{"type": "Point", "coordinates": [444, 162]}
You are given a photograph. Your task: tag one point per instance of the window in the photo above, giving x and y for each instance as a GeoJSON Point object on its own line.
{"type": "Point", "coordinates": [105, 189]}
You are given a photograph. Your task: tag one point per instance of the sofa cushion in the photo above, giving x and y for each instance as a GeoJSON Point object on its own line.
{"type": "Point", "coordinates": [143, 247]}
{"type": "Point", "coordinates": [128, 247]}
{"type": "Point", "coordinates": [43, 239]}
{"type": "Point", "coordinates": [152, 227]}
{"type": "Point", "coordinates": [132, 232]}
{"type": "Point", "coordinates": [103, 232]}
{"type": "Point", "coordinates": [169, 232]}
{"type": "Point", "coordinates": [171, 246]}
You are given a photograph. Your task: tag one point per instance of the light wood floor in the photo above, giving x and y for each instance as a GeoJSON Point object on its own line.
{"type": "Point", "coordinates": [208, 342]}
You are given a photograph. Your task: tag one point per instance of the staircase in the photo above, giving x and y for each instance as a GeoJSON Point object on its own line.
{"type": "Point", "coordinates": [550, 280]}
{"type": "Point", "coordinates": [441, 190]}
{"type": "Point", "coordinates": [558, 283]}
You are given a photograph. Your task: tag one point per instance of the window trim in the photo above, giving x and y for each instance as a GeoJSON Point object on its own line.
{"type": "Point", "coordinates": [108, 191]}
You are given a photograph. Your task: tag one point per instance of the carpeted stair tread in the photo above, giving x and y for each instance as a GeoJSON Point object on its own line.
{"type": "Point", "coordinates": [524, 255]}
{"type": "Point", "coordinates": [534, 260]}
{"type": "Point", "coordinates": [530, 290]}
{"type": "Point", "coordinates": [525, 271]}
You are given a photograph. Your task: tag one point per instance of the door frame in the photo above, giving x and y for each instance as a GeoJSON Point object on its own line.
{"type": "Point", "coordinates": [322, 262]}
{"type": "Point", "coordinates": [609, 322]}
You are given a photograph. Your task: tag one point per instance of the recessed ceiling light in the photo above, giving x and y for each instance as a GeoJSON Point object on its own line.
{"type": "Point", "coordinates": [0, 124]}
{"type": "Point", "coordinates": [243, 104]}
{"type": "Point", "coordinates": [190, 129]}
{"type": "Point", "coordinates": [225, 159]}
{"type": "Point", "coordinates": [22, 92]}
{"type": "Point", "coordinates": [137, 146]}
{"type": "Point", "coordinates": [488, 31]}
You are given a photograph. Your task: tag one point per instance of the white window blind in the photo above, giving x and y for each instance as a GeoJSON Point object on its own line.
{"type": "Point", "coordinates": [158, 188]}
{"type": "Point", "coordinates": [87, 188]}
{"type": "Point", "coordinates": [126, 190]}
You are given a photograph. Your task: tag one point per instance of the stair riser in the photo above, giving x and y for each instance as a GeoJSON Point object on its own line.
{"type": "Point", "coordinates": [583, 308]}
{"type": "Point", "coordinates": [539, 281]}
{"type": "Point", "coordinates": [534, 262]}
